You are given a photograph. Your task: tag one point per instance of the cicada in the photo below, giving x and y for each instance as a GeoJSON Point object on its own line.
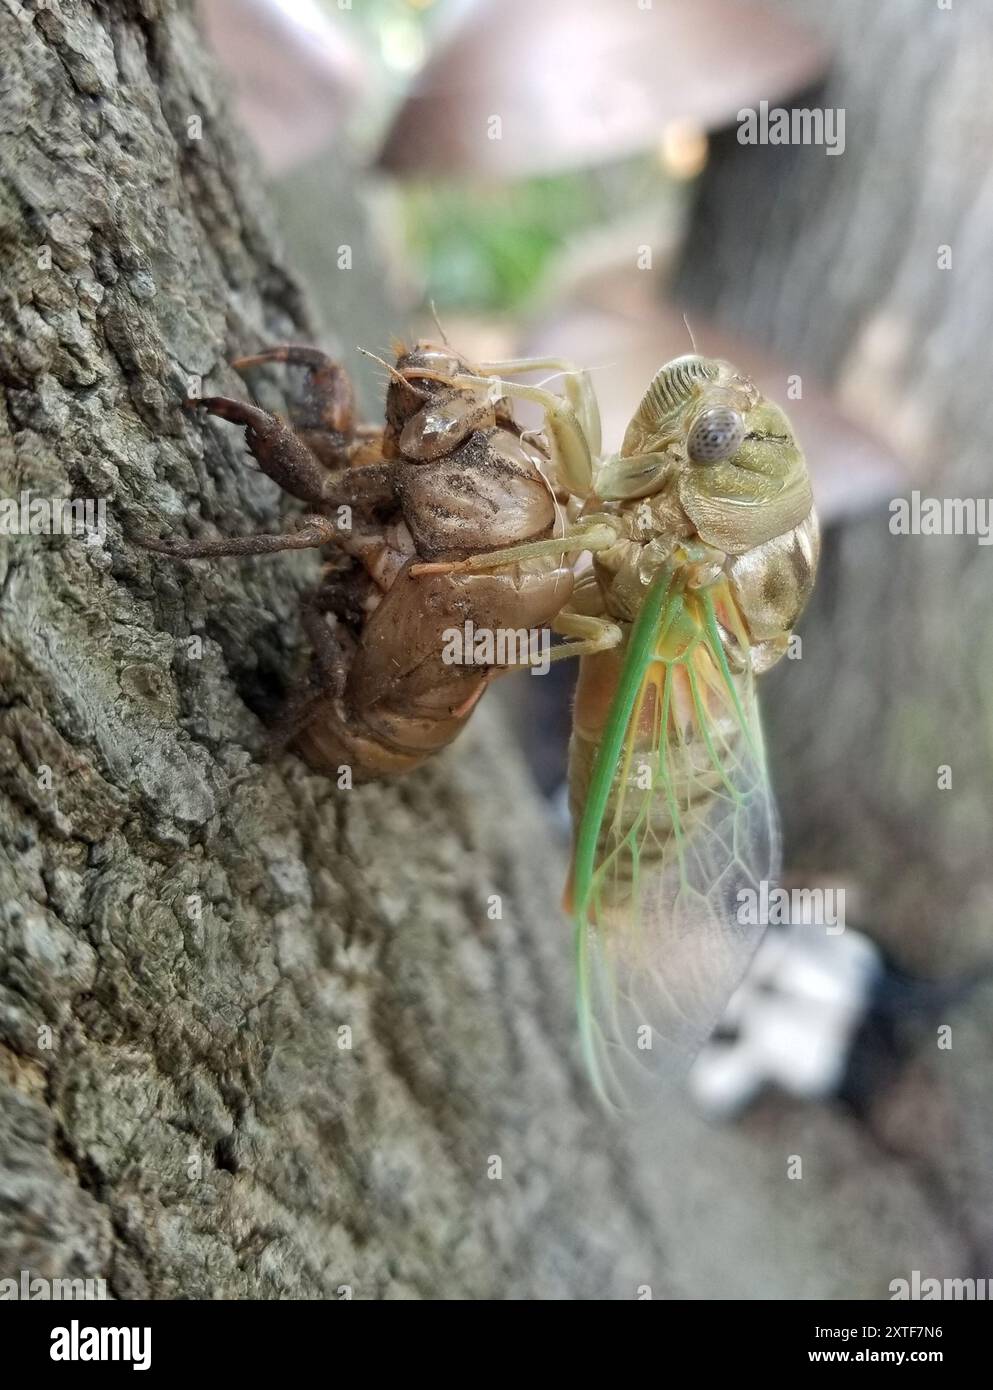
{"type": "Point", "coordinates": [704, 543]}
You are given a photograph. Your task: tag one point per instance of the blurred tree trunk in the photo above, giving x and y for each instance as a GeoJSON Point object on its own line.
{"type": "Point", "coordinates": [258, 1037]}
{"type": "Point", "coordinates": [835, 261]}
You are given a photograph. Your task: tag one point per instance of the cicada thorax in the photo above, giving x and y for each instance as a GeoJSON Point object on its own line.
{"type": "Point", "coordinates": [466, 481]}
{"type": "Point", "coordinates": [485, 494]}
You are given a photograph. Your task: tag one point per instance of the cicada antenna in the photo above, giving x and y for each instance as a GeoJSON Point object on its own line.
{"type": "Point", "coordinates": [393, 371]}
{"type": "Point", "coordinates": [686, 325]}
{"type": "Point", "coordinates": [383, 363]}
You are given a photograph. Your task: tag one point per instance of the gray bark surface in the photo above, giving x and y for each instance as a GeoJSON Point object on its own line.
{"type": "Point", "coordinates": [191, 1127]}
{"type": "Point", "coordinates": [833, 262]}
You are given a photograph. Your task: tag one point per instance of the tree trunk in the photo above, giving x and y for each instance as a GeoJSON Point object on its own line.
{"type": "Point", "coordinates": [841, 264]}
{"type": "Point", "coordinates": [192, 936]}
{"type": "Point", "coordinates": [836, 262]}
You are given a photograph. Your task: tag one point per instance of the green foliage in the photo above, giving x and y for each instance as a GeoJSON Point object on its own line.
{"type": "Point", "coordinates": [488, 248]}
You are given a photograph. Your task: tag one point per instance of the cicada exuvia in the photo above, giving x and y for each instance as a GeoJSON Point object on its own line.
{"type": "Point", "coordinates": [448, 474]}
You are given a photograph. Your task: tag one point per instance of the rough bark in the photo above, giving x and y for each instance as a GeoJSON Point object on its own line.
{"type": "Point", "coordinates": [193, 924]}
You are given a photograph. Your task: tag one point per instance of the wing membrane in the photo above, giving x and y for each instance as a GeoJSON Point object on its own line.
{"type": "Point", "coordinates": [678, 820]}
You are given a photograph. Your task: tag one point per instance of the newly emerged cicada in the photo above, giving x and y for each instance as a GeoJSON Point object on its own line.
{"type": "Point", "coordinates": [704, 546]}
{"type": "Point", "coordinates": [705, 542]}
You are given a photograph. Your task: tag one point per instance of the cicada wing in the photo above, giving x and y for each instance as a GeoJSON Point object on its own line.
{"type": "Point", "coordinates": [671, 857]}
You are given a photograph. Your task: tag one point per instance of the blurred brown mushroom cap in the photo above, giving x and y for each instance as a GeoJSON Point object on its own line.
{"type": "Point", "coordinates": [294, 72]}
{"type": "Point", "coordinates": [583, 84]}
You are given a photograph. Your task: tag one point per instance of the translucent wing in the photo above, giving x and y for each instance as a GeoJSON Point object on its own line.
{"type": "Point", "coordinates": [677, 828]}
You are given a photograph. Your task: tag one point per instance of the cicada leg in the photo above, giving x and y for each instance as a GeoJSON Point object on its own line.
{"type": "Point", "coordinates": [589, 635]}
{"type": "Point", "coordinates": [595, 532]}
{"type": "Point", "coordinates": [315, 531]}
{"type": "Point", "coordinates": [289, 463]}
{"type": "Point", "coordinates": [332, 650]}
{"type": "Point", "coordinates": [282, 454]}
{"type": "Point", "coordinates": [324, 417]}
{"type": "Point", "coordinates": [576, 383]}
{"type": "Point", "coordinates": [335, 595]}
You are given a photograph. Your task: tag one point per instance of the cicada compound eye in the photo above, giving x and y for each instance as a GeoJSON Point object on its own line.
{"type": "Point", "coordinates": [716, 435]}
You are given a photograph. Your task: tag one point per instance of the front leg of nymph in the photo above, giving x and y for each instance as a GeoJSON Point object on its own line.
{"type": "Point", "coordinates": [286, 459]}
{"type": "Point", "coordinates": [323, 417]}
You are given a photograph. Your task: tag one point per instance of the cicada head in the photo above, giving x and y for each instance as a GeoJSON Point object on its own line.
{"type": "Point", "coordinates": [705, 432]}
{"type": "Point", "coordinates": [427, 413]}
{"type": "Point", "coordinates": [420, 373]}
